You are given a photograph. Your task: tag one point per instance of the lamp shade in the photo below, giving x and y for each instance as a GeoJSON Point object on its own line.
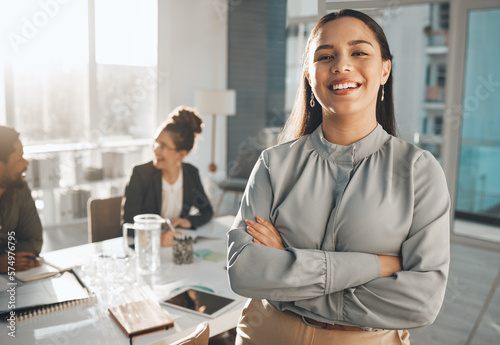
{"type": "Point", "coordinates": [220, 102]}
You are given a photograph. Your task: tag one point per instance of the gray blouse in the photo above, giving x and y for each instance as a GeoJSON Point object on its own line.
{"type": "Point", "coordinates": [337, 208]}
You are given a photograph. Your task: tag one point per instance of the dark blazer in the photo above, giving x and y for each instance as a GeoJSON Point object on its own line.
{"type": "Point", "coordinates": [143, 194]}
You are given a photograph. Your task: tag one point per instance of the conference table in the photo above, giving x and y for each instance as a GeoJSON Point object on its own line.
{"type": "Point", "coordinates": [114, 280]}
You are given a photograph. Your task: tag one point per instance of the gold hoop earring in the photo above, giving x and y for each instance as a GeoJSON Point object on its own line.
{"type": "Point", "coordinates": [311, 102]}
{"type": "Point", "coordinates": [382, 98]}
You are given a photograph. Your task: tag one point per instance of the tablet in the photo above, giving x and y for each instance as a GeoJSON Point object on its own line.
{"type": "Point", "coordinates": [200, 302]}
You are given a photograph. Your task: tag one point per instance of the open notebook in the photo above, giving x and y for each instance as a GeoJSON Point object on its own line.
{"type": "Point", "coordinates": [40, 272]}
{"type": "Point", "coordinates": [43, 296]}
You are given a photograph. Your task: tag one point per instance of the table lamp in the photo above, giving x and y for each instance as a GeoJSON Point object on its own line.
{"type": "Point", "coordinates": [215, 102]}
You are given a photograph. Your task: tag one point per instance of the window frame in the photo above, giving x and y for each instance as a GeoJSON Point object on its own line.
{"type": "Point", "coordinates": [452, 124]}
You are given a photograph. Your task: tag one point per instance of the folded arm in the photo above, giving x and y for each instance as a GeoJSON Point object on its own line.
{"type": "Point", "coordinates": [412, 297]}
{"type": "Point", "coordinates": [264, 233]}
{"type": "Point", "coordinates": [291, 274]}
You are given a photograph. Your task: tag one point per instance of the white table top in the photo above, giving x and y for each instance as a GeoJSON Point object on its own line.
{"type": "Point", "coordinates": [91, 323]}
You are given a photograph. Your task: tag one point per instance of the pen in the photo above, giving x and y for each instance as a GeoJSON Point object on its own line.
{"type": "Point", "coordinates": [32, 257]}
{"type": "Point", "coordinates": [169, 224]}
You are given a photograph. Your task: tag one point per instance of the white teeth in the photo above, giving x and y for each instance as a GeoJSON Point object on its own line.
{"type": "Point", "coordinates": [344, 86]}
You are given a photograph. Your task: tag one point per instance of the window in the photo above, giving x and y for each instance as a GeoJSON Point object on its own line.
{"type": "Point", "coordinates": [45, 65]}
{"type": "Point", "coordinates": [126, 56]}
{"type": "Point", "coordinates": [478, 189]}
{"type": "Point", "coordinates": [81, 86]}
{"type": "Point", "coordinates": [441, 75]}
{"type": "Point", "coordinates": [296, 40]}
{"type": "Point", "coordinates": [48, 75]}
{"type": "Point", "coordinates": [444, 15]}
{"type": "Point", "coordinates": [438, 125]}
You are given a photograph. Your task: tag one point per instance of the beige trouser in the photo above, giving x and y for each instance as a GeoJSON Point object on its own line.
{"type": "Point", "coordinates": [261, 324]}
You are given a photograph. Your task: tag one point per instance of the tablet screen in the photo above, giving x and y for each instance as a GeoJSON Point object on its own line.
{"type": "Point", "coordinates": [199, 301]}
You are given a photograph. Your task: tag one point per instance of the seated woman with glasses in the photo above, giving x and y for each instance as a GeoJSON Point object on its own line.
{"type": "Point", "coordinates": [166, 186]}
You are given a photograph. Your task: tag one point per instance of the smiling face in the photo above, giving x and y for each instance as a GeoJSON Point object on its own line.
{"type": "Point", "coordinates": [12, 172]}
{"type": "Point", "coordinates": [166, 154]}
{"type": "Point", "coordinates": [345, 68]}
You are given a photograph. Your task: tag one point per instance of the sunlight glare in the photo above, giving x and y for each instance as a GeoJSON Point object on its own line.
{"type": "Point", "coordinates": [42, 34]}
{"type": "Point", "coordinates": [131, 39]}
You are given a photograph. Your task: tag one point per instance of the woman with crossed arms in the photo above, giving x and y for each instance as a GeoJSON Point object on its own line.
{"type": "Point", "coordinates": [342, 236]}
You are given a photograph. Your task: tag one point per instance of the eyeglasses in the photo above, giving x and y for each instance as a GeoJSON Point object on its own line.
{"type": "Point", "coordinates": [162, 147]}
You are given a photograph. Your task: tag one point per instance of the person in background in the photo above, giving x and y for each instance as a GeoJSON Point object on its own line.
{"type": "Point", "coordinates": [20, 226]}
{"type": "Point", "coordinates": [343, 233]}
{"type": "Point", "coordinates": [166, 186]}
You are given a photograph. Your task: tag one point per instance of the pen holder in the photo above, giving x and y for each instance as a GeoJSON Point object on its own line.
{"type": "Point", "coordinates": [182, 249]}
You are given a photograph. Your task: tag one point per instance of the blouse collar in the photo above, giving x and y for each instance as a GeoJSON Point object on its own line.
{"type": "Point", "coordinates": [349, 154]}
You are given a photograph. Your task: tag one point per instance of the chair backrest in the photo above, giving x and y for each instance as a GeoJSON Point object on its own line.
{"type": "Point", "coordinates": [104, 218]}
{"type": "Point", "coordinates": [200, 336]}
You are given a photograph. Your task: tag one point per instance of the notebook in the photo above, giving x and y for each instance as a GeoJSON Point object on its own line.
{"type": "Point", "coordinates": [40, 272]}
{"type": "Point", "coordinates": [142, 317]}
{"type": "Point", "coordinates": [43, 296]}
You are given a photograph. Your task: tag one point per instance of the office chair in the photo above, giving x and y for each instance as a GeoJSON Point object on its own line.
{"type": "Point", "coordinates": [104, 218]}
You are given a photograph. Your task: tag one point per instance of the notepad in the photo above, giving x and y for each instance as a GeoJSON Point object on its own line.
{"type": "Point", "coordinates": [207, 254]}
{"type": "Point", "coordinates": [201, 234]}
{"type": "Point", "coordinates": [44, 296]}
{"type": "Point", "coordinates": [40, 272]}
{"type": "Point", "coordinates": [142, 317]}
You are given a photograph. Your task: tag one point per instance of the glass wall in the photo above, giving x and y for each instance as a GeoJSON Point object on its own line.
{"type": "Point", "coordinates": [478, 192]}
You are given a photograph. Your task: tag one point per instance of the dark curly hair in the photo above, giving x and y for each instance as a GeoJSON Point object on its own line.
{"type": "Point", "coordinates": [184, 124]}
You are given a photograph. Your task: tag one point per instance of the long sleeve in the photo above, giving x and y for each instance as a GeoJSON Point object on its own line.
{"type": "Point", "coordinates": [413, 297]}
{"type": "Point", "coordinates": [337, 208]}
{"type": "Point", "coordinates": [201, 202]}
{"type": "Point", "coordinates": [134, 196]}
{"type": "Point", "coordinates": [286, 275]}
{"type": "Point", "coordinates": [29, 230]}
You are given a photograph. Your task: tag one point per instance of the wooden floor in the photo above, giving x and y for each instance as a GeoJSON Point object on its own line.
{"type": "Point", "coordinates": [472, 273]}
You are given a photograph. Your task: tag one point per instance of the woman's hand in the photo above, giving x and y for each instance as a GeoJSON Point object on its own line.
{"type": "Point", "coordinates": [181, 223]}
{"type": "Point", "coordinates": [264, 233]}
{"type": "Point", "coordinates": [389, 265]}
{"type": "Point", "coordinates": [167, 237]}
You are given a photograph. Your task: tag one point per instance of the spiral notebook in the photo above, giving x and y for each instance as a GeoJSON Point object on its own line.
{"type": "Point", "coordinates": [43, 296]}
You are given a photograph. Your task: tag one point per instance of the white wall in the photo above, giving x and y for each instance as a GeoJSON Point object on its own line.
{"type": "Point", "coordinates": [192, 54]}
